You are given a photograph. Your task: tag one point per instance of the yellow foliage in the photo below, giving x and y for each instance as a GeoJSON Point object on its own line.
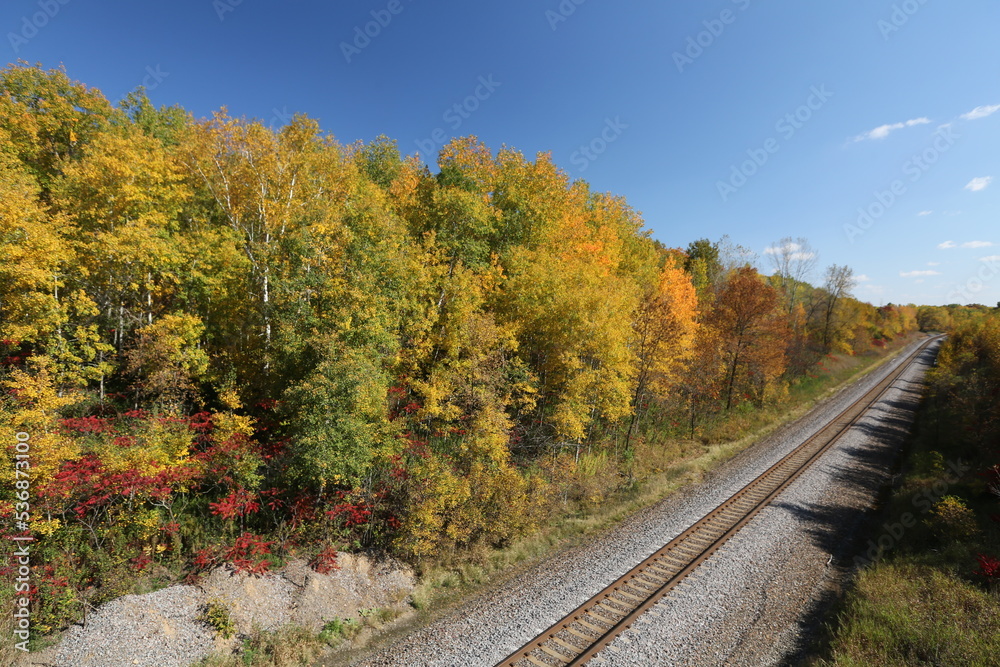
{"type": "Point", "coordinates": [490, 504]}
{"type": "Point", "coordinates": [32, 407]}
{"type": "Point", "coordinates": [43, 526]}
{"type": "Point", "coordinates": [228, 424]}
{"type": "Point", "coordinates": [159, 442]}
{"type": "Point", "coordinates": [33, 248]}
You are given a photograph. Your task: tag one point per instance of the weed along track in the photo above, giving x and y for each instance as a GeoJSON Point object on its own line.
{"type": "Point", "coordinates": [585, 631]}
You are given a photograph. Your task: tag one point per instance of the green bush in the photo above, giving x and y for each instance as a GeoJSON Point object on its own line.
{"type": "Point", "coordinates": [951, 520]}
{"type": "Point", "coordinates": [218, 616]}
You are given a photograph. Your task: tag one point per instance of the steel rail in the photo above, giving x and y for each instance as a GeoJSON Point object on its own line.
{"type": "Point", "coordinates": [589, 628]}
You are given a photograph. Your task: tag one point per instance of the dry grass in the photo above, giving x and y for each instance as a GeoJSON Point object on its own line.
{"type": "Point", "coordinates": [288, 647]}
{"type": "Point", "coordinates": [909, 614]}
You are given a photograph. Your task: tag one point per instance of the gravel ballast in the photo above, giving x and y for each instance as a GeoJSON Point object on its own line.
{"type": "Point", "coordinates": [130, 631]}
{"type": "Point", "coordinates": [755, 602]}
{"type": "Point", "coordinates": [162, 628]}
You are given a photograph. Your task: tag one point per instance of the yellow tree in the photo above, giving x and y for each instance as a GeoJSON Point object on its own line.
{"type": "Point", "coordinates": [665, 325]}
{"type": "Point", "coordinates": [167, 359]}
{"type": "Point", "coordinates": [124, 198]}
{"type": "Point", "coordinates": [51, 119]}
{"type": "Point", "coordinates": [573, 306]}
{"type": "Point", "coordinates": [34, 251]}
{"type": "Point", "coordinates": [255, 178]}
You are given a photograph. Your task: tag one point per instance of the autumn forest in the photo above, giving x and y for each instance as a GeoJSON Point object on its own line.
{"type": "Point", "coordinates": [231, 342]}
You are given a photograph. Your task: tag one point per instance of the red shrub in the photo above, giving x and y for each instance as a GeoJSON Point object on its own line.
{"type": "Point", "coordinates": [325, 561]}
{"type": "Point", "coordinates": [239, 503]}
{"type": "Point", "coordinates": [989, 567]}
{"type": "Point", "coordinates": [247, 554]}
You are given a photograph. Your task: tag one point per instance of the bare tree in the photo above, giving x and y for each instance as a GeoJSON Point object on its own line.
{"type": "Point", "coordinates": [793, 261]}
{"type": "Point", "coordinates": [733, 256]}
{"type": "Point", "coordinates": [839, 283]}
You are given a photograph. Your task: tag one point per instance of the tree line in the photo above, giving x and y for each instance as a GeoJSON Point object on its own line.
{"type": "Point", "coordinates": [235, 343]}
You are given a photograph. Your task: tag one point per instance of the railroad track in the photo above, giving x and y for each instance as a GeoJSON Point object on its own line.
{"type": "Point", "coordinates": [589, 628]}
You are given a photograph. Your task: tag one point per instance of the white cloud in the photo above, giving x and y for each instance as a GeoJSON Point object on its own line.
{"type": "Point", "coordinates": [915, 274]}
{"type": "Point", "coordinates": [978, 184]}
{"type": "Point", "coordinates": [947, 245]}
{"type": "Point", "coordinates": [981, 112]}
{"type": "Point", "coordinates": [793, 250]}
{"type": "Point", "coordinates": [862, 278]}
{"type": "Point", "coordinates": [925, 213]}
{"type": "Point", "coordinates": [882, 131]}
{"type": "Point", "coordinates": [933, 263]}
{"type": "Point", "coordinates": [772, 250]}
{"type": "Point", "coordinates": [990, 259]}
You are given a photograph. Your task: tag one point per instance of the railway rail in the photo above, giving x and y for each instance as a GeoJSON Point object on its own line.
{"type": "Point", "coordinates": [589, 628]}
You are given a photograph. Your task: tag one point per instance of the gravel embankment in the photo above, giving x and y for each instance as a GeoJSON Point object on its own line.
{"type": "Point", "coordinates": [130, 631]}
{"type": "Point", "coordinates": [161, 629]}
{"type": "Point", "coordinates": [747, 605]}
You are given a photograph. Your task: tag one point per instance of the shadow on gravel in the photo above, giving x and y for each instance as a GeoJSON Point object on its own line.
{"type": "Point", "coordinates": [868, 470]}
{"type": "Point", "coordinates": [837, 526]}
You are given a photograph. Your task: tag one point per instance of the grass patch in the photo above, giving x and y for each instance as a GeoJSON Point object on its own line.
{"type": "Point", "coordinates": [338, 630]}
{"type": "Point", "coordinates": [292, 646]}
{"type": "Point", "coordinates": [287, 647]}
{"type": "Point", "coordinates": [906, 613]}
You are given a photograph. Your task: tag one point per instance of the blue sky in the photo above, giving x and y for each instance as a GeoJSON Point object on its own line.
{"type": "Point", "coordinates": [869, 127]}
